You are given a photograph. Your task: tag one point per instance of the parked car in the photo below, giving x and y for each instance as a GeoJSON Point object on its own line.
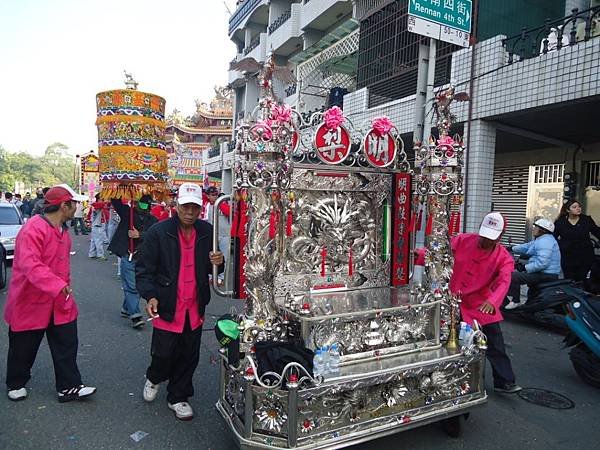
{"type": "Point", "coordinates": [11, 222]}
{"type": "Point", "coordinates": [2, 267]}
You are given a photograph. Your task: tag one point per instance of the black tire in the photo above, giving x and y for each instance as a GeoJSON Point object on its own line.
{"type": "Point", "coordinates": [2, 271]}
{"type": "Point", "coordinates": [586, 364]}
{"type": "Point", "coordinates": [453, 426]}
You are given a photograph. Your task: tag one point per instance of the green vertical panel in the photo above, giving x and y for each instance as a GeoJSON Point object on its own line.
{"type": "Point", "coordinates": [508, 17]}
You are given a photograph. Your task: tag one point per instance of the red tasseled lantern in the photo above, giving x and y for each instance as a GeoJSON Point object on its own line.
{"type": "Point", "coordinates": [323, 258]}
{"type": "Point", "coordinates": [288, 223]}
{"type": "Point", "coordinates": [272, 224]}
{"type": "Point", "coordinates": [429, 227]}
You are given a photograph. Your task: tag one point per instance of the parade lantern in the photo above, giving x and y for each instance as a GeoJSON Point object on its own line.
{"type": "Point", "coordinates": [131, 144]}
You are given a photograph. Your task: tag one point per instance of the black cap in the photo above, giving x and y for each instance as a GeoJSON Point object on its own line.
{"type": "Point", "coordinates": [146, 198]}
{"type": "Point", "coordinates": [212, 190]}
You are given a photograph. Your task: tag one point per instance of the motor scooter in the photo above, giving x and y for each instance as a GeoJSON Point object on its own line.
{"type": "Point", "coordinates": [583, 320]}
{"type": "Point", "coordinates": [545, 303]}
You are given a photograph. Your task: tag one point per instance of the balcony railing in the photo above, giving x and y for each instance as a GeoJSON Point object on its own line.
{"type": "Point", "coordinates": [214, 152]}
{"type": "Point", "coordinates": [280, 21]}
{"type": "Point", "coordinates": [241, 13]}
{"type": "Point", "coordinates": [252, 45]}
{"type": "Point", "coordinates": [290, 90]}
{"type": "Point", "coordinates": [554, 34]}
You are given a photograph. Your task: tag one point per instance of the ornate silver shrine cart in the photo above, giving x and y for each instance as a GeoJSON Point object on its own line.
{"type": "Point", "coordinates": [326, 215]}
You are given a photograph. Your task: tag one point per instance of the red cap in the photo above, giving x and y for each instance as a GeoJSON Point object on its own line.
{"type": "Point", "coordinates": [62, 193]}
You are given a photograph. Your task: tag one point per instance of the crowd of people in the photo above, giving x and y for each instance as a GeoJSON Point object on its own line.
{"type": "Point", "coordinates": [166, 258]}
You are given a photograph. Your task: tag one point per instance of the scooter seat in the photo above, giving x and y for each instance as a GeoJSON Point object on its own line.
{"type": "Point", "coordinates": [594, 303]}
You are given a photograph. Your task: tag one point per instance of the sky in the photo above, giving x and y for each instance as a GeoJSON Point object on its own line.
{"type": "Point", "coordinates": [55, 55]}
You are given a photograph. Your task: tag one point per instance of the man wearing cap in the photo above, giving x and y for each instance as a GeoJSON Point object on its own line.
{"type": "Point", "coordinates": [120, 245]}
{"type": "Point", "coordinates": [543, 264]}
{"type": "Point", "coordinates": [172, 275]}
{"type": "Point", "coordinates": [481, 276]}
{"type": "Point", "coordinates": [40, 300]}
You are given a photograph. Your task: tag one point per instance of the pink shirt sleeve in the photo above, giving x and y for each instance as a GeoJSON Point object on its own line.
{"type": "Point", "coordinates": [28, 250]}
{"type": "Point", "coordinates": [499, 288]}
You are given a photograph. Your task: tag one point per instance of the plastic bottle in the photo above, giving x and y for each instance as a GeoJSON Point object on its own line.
{"type": "Point", "coordinates": [461, 334]}
{"type": "Point", "coordinates": [326, 364]}
{"type": "Point", "coordinates": [468, 339]}
{"type": "Point", "coordinates": [318, 369]}
{"type": "Point", "coordinates": [334, 360]}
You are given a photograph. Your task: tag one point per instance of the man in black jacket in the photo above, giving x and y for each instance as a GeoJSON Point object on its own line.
{"type": "Point", "coordinates": [120, 246]}
{"type": "Point", "coordinates": [172, 275]}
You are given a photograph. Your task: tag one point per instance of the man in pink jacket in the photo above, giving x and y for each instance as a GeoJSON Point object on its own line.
{"type": "Point", "coordinates": [40, 300]}
{"type": "Point", "coordinates": [482, 273]}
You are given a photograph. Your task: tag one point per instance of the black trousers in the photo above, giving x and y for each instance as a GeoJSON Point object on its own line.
{"type": "Point", "coordinates": [576, 272]}
{"type": "Point", "coordinates": [175, 357]}
{"type": "Point", "coordinates": [496, 354]}
{"type": "Point", "coordinates": [23, 347]}
{"type": "Point", "coordinates": [530, 279]}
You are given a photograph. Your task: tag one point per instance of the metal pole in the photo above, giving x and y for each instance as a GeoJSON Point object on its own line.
{"type": "Point", "coordinates": [421, 94]}
{"type": "Point", "coordinates": [430, 86]}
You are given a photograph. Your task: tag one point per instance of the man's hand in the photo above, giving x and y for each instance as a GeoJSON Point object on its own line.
{"type": "Point", "coordinates": [487, 308]}
{"type": "Point", "coordinates": [134, 234]}
{"type": "Point", "coordinates": [216, 258]}
{"type": "Point", "coordinates": [66, 291]}
{"type": "Point", "coordinates": [152, 308]}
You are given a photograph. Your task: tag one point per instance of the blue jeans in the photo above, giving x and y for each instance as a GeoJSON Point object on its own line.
{"type": "Point", "coordinates": [131, 303]}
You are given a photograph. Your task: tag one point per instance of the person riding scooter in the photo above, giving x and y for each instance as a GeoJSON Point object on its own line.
{"type": "Point", "coordinates": [543, 265]}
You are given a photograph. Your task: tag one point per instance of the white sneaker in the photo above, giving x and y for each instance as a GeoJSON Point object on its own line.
{"type": "Point", "coordinates": [182, 410]}
{"type": "Point", "coordinates": [76, 393]}
{"type": "Point", "coordinates": [150, 391]}
{"type": "Point", "coordinates": [512, 305]}
{"type": "Point", "coordinates": [17, 394]}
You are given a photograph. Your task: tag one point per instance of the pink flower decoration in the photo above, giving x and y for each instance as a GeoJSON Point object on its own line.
{"type": "Point", "coordinates": [266, 126]}
{"type": "Point", "coordinates": [445, 140]}
{"type": "Point", "coordinates": [281, 113]}
{"type": "Point", "coordinates": [334, 117]}
{"type": "Point", "coordinates": [382, 125]}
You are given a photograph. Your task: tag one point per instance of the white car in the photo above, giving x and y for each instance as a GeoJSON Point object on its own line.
{"type": "Point", "coordinates": [11, 222]}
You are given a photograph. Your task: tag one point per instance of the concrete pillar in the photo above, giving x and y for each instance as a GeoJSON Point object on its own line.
{"type": "Point", "coordinates": [480, 172]}
{"type": "Point", "coordinates": [252, 94]}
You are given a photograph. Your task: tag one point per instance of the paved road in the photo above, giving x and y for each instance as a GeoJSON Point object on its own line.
{"type": "Point", "coordinates": [114, 357]}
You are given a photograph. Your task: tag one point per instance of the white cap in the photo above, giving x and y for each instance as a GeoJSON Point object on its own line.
{"type": "Point", "coordinates": [545, 224]}
{"type": "Point", "coordinates": [492, 226]}
{"type": "Point", "coordinates": [74, 195]}
{"type": "Point", "coordinates": [189, 193]}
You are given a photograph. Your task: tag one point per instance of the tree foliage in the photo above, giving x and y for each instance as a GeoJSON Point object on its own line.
{"type": "Point", "coordinates": [54, 167]}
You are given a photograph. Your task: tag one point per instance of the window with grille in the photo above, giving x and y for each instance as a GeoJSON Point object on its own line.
{"type": "Point", "coordinates": [549, 173]}
{"type": "Point", "coordinates": [388, 55]}
{"type": "Point", "coordinates": [592, 175]}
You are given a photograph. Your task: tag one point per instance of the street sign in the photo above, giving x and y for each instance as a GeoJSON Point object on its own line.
{"type": "Point", "coordinates": [451, 13]}
{"type": "Point", "coordinates": [437, 31]}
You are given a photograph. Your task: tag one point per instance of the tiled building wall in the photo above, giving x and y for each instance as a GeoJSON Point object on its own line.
{"type": "Point", "coordinates": [570, 74]}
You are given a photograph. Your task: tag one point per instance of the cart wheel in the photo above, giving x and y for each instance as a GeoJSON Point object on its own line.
{"type": "Point", "coordinates": [453, 426]}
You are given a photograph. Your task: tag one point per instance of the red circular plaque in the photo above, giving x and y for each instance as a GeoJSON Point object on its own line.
{"type": "Point", "coordinates": [332, 144]}
{"type": "Point", "coordinates": [380, 151]}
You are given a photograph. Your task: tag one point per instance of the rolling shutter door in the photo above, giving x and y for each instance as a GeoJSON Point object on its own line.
{"type": "Point", "coordinates": [509, 196]}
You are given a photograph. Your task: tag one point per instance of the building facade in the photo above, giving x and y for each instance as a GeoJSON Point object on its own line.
{"type": "Point", "coordinates": [195, 140]}
{"type": "Point", "coordinates": [529, 126]}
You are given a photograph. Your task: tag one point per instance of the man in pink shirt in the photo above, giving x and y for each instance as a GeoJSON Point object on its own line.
{"type": "Point", "coordinates": [481, 275]}
{"type": "Point", "coordinates": [172, 275]}
{"type": "Point", "coordinates": [40, 300]}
